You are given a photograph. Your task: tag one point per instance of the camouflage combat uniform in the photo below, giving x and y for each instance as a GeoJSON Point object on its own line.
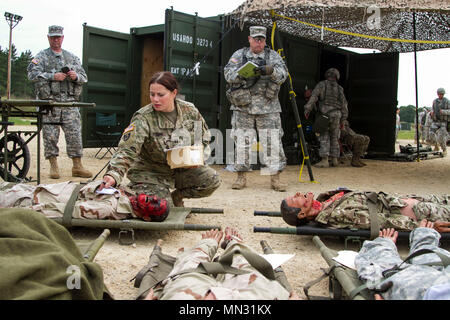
{"type": "Point", "coordinates": [352, 211]}
{"type": "Point", "coordinates": [358, 142]}
{"type": "Point", "coordinates": [51, 200]}
{"type": "Point", "coordinates": [438, 130]}
{"type": "Point", "coordinates": [194, 285]}
{"type": "Point", "coordinates": [263, 112]}
{"type": "Point", "coordinates": [142, 153]}
{"type": "Point", "coordinates": [41, 71]}
{"type": "Point", "coordinates": [332, 102]}
{"type": "Point", "coordinates": [414, 278]}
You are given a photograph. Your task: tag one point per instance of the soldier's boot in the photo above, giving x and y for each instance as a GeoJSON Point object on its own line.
{"type": "Point", "coordinates": [78, 170]}
{"type": "Point", "coordinates": [335, 162]}
{"type": "Point", "coordinates": [177, 198]}
{"type": "Point", "coordinates": [444, 152]}
{"type": "Point", "coordinates": [276, 184]}
{"type": "Point", "coordinates": [323, 163]}
{"type": "Point", "coordinates": [356, 162]}
{"type": "Point", "coordinates": [436, 147]}
{"type": "Point", "coordinates": [54, 170]}
{"type": "Point", "coordinates": [241, 181]}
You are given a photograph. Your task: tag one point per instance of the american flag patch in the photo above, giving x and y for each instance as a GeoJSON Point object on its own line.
{"type": "Point", "coordinates": [129, 128]}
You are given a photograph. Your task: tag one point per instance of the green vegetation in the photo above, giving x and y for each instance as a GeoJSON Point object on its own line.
{"type": "Point", "coordinates": [20, 85]}
{"type": "Point", "coordinates": [407, 134]}
{"type": "Point", "coordinates": [21, 121]}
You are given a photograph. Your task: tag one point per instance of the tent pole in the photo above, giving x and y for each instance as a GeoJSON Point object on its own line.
{"type": "Point", "coordinates": [277, 40]}
{"type": "Point", "coordinates": [415, 77]}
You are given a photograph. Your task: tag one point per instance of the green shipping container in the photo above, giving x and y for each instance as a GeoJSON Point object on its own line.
{"type": "Point", "coordinates": [120, 65]}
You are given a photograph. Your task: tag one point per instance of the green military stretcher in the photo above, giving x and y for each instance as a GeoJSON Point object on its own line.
{"type": "Point", "coordinates": [316, 229]}
{"type": "Point", "coordinates": [160, 265]}
{"type": "Point", "coordinates": [341, 279]}
{"type": "Point", "coordinates": [175, 221]}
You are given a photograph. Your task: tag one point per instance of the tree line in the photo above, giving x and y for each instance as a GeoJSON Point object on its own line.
{"type": "Point", "coordinates": [408, 113]}
{"type": "Point", "coordinates": [21, 87]}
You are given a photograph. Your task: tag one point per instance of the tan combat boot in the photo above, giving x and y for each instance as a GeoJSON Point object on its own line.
{"type": "Point", "coordinates": [334, 162]}
{"type": "Point", "coordinates": [436, 147]}
{"type": "Point", "coordinates": [78, 170]}
{"type": "Point", "coordinates": [177, 198]}
{"type": "Point", "coordinates": [276, 184]}
{"type": "Point", "coordinates": [356, 162]}
{"type": "Point", "coordinates": [444, 152]}
{"type": "Point", "coordinates": [323, 163]}
{"type": "Point", "coordinates": [54, 170]}
{"type": "Point", "coordinates": [241, 181]}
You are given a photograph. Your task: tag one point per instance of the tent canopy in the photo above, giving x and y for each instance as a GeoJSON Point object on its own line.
{"type": "Point", "coordinates": [384, 25]}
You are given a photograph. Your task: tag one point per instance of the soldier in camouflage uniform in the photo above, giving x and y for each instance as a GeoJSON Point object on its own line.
{"type": "Point", "coordinates": [418, 279]}
{"type": "Point", "coordinates": [427, 126]}
{"type": "Point", "coordinates": [332, 103]}
{"type": "Point", "coordinates": [59, 76]}
{"type": "Point", "coordinates": [440, 113]}
{"type": "Point", "coordinates": [357, 142]}
{"type": "Point", "coordinates": [349, 209]}
{"type": "Point", "coordinates": [165, 123]}
{"type": "Point", "coordinates": [254, 102]}
{"type": "Point", "coordinates": [251, 284]}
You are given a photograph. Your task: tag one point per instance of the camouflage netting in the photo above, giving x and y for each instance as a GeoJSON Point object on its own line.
{"type": "Point", "coordinates": [432, 21]}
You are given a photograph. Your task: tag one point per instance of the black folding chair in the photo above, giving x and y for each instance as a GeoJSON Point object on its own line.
{"type": "Point", "coordinates": [108, 131]}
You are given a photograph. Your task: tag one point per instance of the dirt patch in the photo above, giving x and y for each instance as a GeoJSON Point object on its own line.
{"type": "Point", "coordinates": [121, 263]}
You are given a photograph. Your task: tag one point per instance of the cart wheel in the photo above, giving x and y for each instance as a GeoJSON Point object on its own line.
{"type": "Point", "coordinates": [335, 288]}
{"type": "Point", "coordinates": [18, 161]}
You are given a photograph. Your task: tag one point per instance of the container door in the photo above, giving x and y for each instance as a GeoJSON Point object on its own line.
{"type": "Point", "coordinates": [106, 61]}
{"type": "Point", "coordinates": [372, 98]}
{"type": "Point", "coordinates": [189, 41]}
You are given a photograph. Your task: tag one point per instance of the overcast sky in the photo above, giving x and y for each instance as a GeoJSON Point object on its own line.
{"type": "Point", "coordinates": [30, 33]}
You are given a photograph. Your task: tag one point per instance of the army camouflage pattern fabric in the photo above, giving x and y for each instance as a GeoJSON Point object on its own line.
{"type": "Point", "coordinates": [438, 130]}
{"type": "Point", "coordinates": [332, 102]}
{"type": "Point", "coordinates": [141, 153]}
{"type": "Point", "coordinates": [271, 147]}
{"type": "Point", "coordinates": [358, 142]}
{"type": "Point", "coordinates": [194, 285]}
{"type": "Point", "coordinates": [51, 200]}
{"type": "Point", "coordinates": [261, 104]}
{"type": "Point", "coordinates": [263, 112]}
{"type": "Point", "coordinates": [351, 211]}
{"type": "Point", "coordinates": [414, 278]}
{"type": "Point", "coordinates": [41, 71]}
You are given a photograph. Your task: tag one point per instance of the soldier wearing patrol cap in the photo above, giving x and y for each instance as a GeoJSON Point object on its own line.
{"type": "Point", "coordinates": [59, 76]}
{"type": "Point", "coordinates": [440, 113]}
{"type": "Point", "coordinates": [255, 104]}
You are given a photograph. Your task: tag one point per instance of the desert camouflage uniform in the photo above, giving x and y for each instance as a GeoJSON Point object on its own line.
{"type": "Point", "coordinates": [332, 102]}
{"type": "Point", "coordinates": [142, 153]}
{"type": "Point", "coordinates": [51, 200]}
{"type": "Point", "coordinates": [194, 285]}
{"type": "Point", "coordinates": [352, 211]}
{"type": "Point", "coordinates": [415, 278]}
{"type": "Point", "coordinates": [438, 129]}
{"type": "Point", "coordinates": [41, 71]}
{"type": "Point", "coordinates": [358, 142]}
{"type": "Point", "coordinates": [263, 112]}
